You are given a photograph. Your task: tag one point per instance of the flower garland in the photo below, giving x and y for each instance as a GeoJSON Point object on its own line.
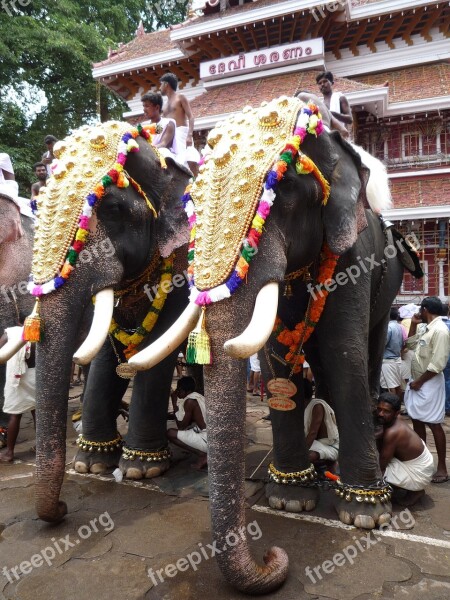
{"type": "Point", "coordinates": [303, 330]}
{"type": "Point", "coordinates": [115, 176]}
{"type": "Point", "coordinates": [309, 121]}
{"type": "Point", "coordinates": [131, 341]}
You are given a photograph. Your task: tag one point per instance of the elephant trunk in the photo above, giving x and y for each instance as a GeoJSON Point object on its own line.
{"type": "Point", "coordinates": [226, 408]}
{"type": "Point", "coordinates": [53, 368]}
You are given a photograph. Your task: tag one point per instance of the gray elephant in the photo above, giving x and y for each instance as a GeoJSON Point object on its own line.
{"type": "Point", "coordinates": [16, 248]}
{"type": "Point", "coordinates": [101, 231]}
{"type": "Point", "coordinates": [319, 228]}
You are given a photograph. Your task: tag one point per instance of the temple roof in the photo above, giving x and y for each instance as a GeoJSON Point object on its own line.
{"type": "Point", "coordinates": [232, 97]}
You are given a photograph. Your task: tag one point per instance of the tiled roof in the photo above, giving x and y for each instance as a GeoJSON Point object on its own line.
{"type": "Point", "coordinates": [232, 10]}
{"type": "Point", "coordinates": [141, 45]}
{"type": "Point", "coordinates": [412, 83]}
{"type": "Point", "coordinates": [233, 97]}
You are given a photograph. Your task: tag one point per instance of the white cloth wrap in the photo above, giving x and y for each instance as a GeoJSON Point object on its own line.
{"type": "Point", "coordinates": [391, 373]}
{"type": "Point", "coordinates": [428, 403]}
{"type": "Point", "coordinates": [254, 363]}
{"type": "Point", "coordinates": [335, 102]}
{"type": "Point", "coordinates": [413, 475]}
{"type": "Point", "coordinates": [327, 448]}
{"type": "Point", "coordinates": [20, 386]}
{"type": "Point", "coordinates": [194, 436]}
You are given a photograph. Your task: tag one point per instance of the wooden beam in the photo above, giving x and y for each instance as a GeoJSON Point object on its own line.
{"type": "Point", "coordinates": [433, 17]}
{"type": "Point", "coordinates": [355, 39]}
{"type": "Point", "coordinates": [375, 33]}
{"type": "Point", "coordinates": [397, 23]}
{"type": "Point", "coordinates": [305, 25]}
{"type": "Point", "coordinates": [409, 29]}
{"type": "Point", "coordinates": [336, 50]}
{"type": "Point", "coordinates": [242, 40]}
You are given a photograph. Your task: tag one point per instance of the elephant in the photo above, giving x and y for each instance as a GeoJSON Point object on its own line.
{"type": "Point", "coordinates": [320, 185]}
{"type": "Point", "coordinates": [16, 248]}
{"type": "Point", "coordinates": [102, 228]}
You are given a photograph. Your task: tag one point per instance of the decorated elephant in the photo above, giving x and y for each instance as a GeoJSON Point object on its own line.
{"type": "Point", "coordinates": [16, 248]}
{"type": "Point", "coordinates": [274, 209]}
{"type": "Point", "coordinates": [109, 233]}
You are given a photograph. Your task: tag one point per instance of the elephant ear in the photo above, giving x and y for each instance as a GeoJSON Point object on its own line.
{"type": "Point", "coordinates": [172, 224]}
{"type": "Point", "coordinates": [344, 215]}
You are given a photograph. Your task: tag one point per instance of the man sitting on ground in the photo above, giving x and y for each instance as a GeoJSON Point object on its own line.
{"type": "Point", "coordinates": [190, 416]}
{"type": "Point", "coordinates": [322, 437]}
{"type": "Point", "coordinates": [404, 458]}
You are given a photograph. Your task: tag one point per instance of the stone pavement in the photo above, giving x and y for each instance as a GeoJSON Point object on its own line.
{"type": "Point", "coordinates": [115, 532]}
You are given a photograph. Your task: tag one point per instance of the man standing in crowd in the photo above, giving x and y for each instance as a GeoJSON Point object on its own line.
{"type": "Point", "coordinates": [336, 102]}
{"type": "Point", "coordinates": [40, 170]}
{"type": "Point", "coordinates": [404, 458]}
{"type": "Point", "coordinates": [425, 393]}
{"type": "Point", "coordinates": [48, 156]}
{"type": "Point", "coordinates": [391, 369]}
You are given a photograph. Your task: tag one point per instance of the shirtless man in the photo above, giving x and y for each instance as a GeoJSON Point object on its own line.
{"type": "Point", "coordinates": [327, 117]}
{"type": "Point", "coordinates": [190, 416]}
{"type": "Point", "coordinates": [322, 438]}
{"type": "Point", "coordinates": [40, 170]}
{"type": "Point", "coordinates": [336, 102]}
{"type": "Point", "coordinates": [406, 462]}
{"type": "Point", "coordinates": [177, 108]}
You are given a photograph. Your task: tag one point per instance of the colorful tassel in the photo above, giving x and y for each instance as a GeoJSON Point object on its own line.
{"type": "Point", "coordinates": [198, 347]}
{"type": "Point", "coordinates": [33, 328]}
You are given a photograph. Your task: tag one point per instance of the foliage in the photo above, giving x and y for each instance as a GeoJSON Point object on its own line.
{"type": "Point", "coordinates": [47, 49]}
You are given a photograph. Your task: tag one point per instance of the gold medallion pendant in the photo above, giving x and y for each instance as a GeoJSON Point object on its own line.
{"type": "Point", "coordinates": [281, 403]}
{"type": "Point", "coordinates": [281, 389]}
{"type": "Point", "coordinates": [126, 371]}
{"type": "Point", "coordinates": [279, 386]}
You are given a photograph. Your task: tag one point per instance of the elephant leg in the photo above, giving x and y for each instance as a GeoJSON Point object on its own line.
{"type": "Point", "coordinates": [343, 342]}
{"type": "Point", "coordinates": [99, 448]}
{"type": "Point", "coordinates": [146, 453]}
{"type": "Point", "coordinates": [290, 454]}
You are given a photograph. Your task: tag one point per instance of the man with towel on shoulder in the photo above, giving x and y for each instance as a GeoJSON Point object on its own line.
{"type": "Point", "coordinates": [336, 102]}
{"type": "Point", "coordinates": [321, 433]}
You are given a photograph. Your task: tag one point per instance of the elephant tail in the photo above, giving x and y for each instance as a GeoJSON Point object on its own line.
{"type": "Point", "coordinates": [242, 572]}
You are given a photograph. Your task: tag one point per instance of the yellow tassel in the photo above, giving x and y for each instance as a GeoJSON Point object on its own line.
{"type": "Point", "coordinates": [33, 328]}
{"type": "Point", "coordinates": [198, 347]}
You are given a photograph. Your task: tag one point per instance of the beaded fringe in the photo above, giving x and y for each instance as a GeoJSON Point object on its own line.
{"type": "Point", "coordinates": [199, 347]}
{"type": "Point", "coordinates": [33, 328]}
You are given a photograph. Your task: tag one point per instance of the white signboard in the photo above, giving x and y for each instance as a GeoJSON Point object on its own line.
{"type": "Point", "coordinates": [260, 60]}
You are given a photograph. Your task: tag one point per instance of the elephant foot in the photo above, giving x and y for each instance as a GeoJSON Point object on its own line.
{"type": "Point", "coordinates": [292, 498]}
{"type": "Point", "coordinates": [97, 457]}
{"type": "Point", "coordinates": [365, 509]}
{"type": "Point", "coordinates": [52, 516]}
{"type": "Point", "coordinates": [144, 464]}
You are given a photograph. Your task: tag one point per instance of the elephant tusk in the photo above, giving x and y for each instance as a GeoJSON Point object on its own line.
{"type": "Point", "coordinates": [260, 327]}
{"type": "Point", "coordinates": [104, 305]}
{"type": "Point", "coordinates": [10, 348]}
{"type": "Point", "coordinates": [169, 341]}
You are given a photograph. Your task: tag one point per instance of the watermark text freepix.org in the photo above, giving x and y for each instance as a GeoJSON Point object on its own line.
{"type": "Point", "coordinates": [48, 554]}
{"type": "Point", "coordinates": [350, 552]}
{"type": "Point", "coordinates": [193, 559]}
{"type": "Point", "coordinates": [365, 265]}
{"type": "Point", "coordinates": [7, 5]}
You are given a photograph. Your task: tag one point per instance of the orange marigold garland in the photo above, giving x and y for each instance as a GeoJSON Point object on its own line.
{"type": "Point", "coordinates": [303, 330]}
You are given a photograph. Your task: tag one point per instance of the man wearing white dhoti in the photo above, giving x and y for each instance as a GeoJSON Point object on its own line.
{"type": "Point", "coordinates": [425, 393]}
{"type": "Point", "coordinates": [391, 373]}
{"type": "Point", "coordinates": [322, 437]}
{"type": "Point", "coordinates": [190, 416]}
{"type": "Point", "coordinates": [336, 102]}
{"type": "Point", "coordinates": [20, 389]}
{"type": "Point", "coordinates": [178, 108]}
{"type": "Point", "coordinates": [406, 461]}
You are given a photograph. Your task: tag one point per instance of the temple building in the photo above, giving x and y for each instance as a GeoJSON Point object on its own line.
{"type": "Point", "coordinates": [390, 59]}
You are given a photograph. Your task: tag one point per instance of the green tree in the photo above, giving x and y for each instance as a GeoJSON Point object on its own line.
{"type": "Point", "coordinates": [47, 49]}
